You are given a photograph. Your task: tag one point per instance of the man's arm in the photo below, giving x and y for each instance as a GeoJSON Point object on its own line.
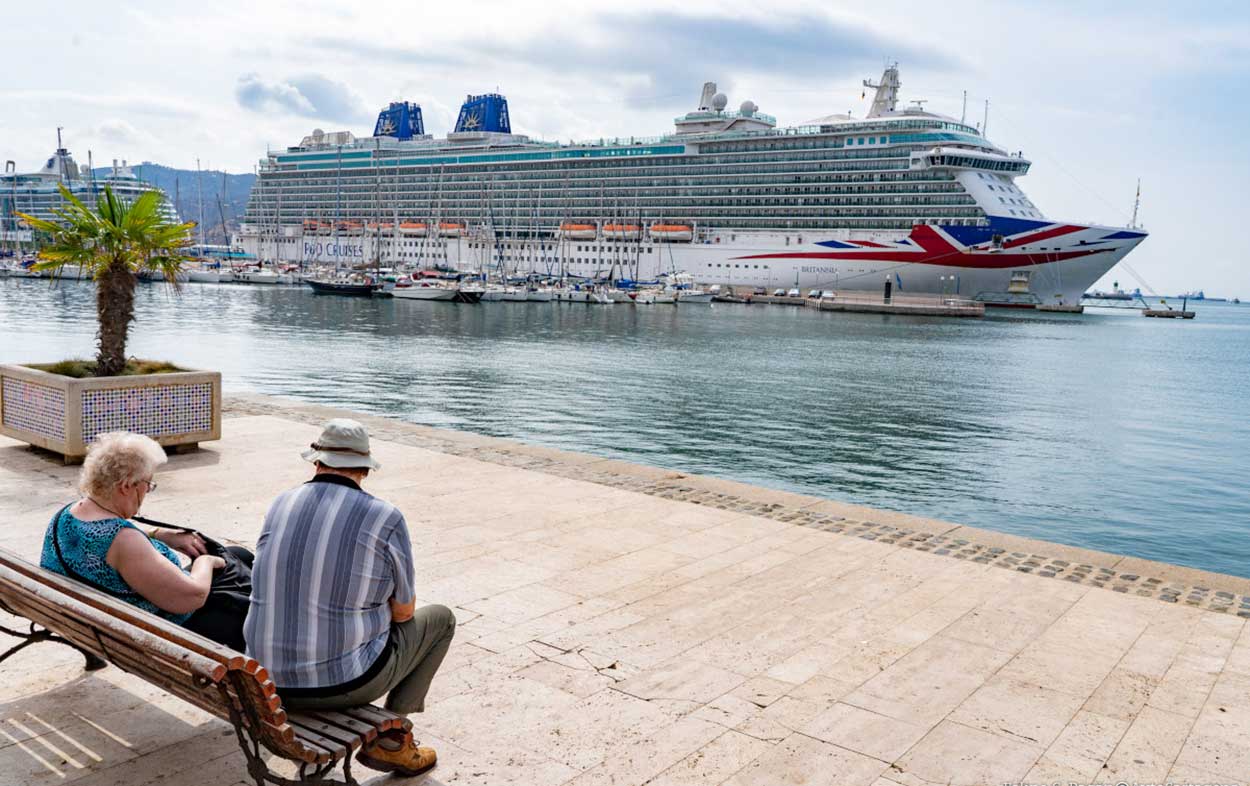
{"type": "Point", "coordinates": [403, 601]}
{"type": "Point", "coordinates": [402, 612]}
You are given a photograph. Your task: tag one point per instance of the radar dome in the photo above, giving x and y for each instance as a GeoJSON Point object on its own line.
{"type": "Point", "coordinates": [318, 133]}
{"type": "Point", "coordinates": [748, 108]}
{"type": "Point", "coordinates": [720, 101]}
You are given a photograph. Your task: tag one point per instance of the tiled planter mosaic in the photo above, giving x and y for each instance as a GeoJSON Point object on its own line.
{"type": "Point", "coordinates": [64, 415]}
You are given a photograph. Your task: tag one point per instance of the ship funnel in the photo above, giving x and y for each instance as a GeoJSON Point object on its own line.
{"type": "Point", "coordinates": [400, 120]}
{"type": "Point", "coordinates": [487, 112]}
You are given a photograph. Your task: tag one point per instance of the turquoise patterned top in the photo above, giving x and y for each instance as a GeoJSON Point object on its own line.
{"type": "Point", "coordinates": [84, 545]}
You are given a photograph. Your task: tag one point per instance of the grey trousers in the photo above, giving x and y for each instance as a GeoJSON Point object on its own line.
{"type": "Point", "coordinates": [417, 649]}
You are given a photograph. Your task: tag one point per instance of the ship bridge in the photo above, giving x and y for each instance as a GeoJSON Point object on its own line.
{"type": "Point", "coordinates": [963, 158]}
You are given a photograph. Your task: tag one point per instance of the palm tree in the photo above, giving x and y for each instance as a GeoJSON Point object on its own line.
{"type": "Point", "coordinates": [113, 243]}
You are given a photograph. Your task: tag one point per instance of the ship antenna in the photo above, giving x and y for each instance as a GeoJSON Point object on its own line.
{"type": "Point", "coordinates": [1136, 204]}
{"type": "Point", "coordinates": [985, 123]}
{"type": "Point", "coordinates": [963, 116]}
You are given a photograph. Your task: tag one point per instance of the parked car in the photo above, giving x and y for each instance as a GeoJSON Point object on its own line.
{"type": "Point", "coordinates": [779, 293]}
{"type": "Point", "coordinates": [813, 294]}
{"type": "Point", "coordinates": [828, 294]}
{"type": "Point", "coordinates": [794, 293]}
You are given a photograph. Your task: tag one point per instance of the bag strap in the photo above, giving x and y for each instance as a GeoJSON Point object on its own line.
{"type": "Point", "coordinates": [75, 575]}
{"type": "Point", "coordinates": [162, 525]}
{"type": "Point", "coordinates": [214, 547]}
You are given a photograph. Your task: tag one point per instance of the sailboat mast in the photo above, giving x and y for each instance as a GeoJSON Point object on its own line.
{"type": "Point", "coordinates": [199, 190]}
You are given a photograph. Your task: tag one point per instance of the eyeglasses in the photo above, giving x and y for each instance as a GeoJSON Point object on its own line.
{"type": "Point", "coordinates": [151, 486]}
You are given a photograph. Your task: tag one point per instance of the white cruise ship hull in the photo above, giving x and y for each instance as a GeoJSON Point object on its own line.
{"type": "Point", "coordinates": [1010, 261]}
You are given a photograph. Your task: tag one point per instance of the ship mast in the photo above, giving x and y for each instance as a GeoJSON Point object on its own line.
{"type": "Point", "coordinates": [887, 92]}
{"type": "Point", "coordinates": [1136, 204]}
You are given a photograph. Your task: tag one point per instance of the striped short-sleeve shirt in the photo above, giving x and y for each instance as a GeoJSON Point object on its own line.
{"type": "Point", "coordinates": [328, 560]}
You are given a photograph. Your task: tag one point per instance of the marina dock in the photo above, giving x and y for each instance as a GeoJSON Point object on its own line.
{"type": "Point", "coordinates": [624, 624]}
{"type": "Point", "coordinates": [874, 303]}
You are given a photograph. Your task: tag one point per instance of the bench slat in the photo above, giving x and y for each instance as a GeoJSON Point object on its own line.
{"type": "Point", "coordinates": [337, 749]}
{"type": "Point", "coordinates": [368, 732]}
{"type": "Point", "coordinates": [328, 730]}
{"type": "Point", "coordinates": [384, 720]}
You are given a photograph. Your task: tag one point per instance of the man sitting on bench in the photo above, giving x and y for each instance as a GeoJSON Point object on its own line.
{"type": "Point", "coordinates": [333, 612]}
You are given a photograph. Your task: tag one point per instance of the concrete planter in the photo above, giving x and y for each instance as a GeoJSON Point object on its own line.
{"type": "Point", "coordinates": [64, 415]}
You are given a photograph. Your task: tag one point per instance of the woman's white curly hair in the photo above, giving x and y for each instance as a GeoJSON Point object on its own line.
{"type": "Point", "coordinates": [118, 457]}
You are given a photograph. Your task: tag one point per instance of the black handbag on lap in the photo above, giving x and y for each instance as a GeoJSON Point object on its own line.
{"type": "Point", "coordinates": [233, 583]}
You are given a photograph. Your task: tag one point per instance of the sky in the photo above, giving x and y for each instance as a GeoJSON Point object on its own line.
{"type": "Point", "coordinates": [1097, 95]}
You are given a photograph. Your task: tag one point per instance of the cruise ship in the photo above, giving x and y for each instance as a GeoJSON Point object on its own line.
{"type": "Point", "coordinates": [843, 203]}
{"type": "Point", "coordinates": [36, 193]}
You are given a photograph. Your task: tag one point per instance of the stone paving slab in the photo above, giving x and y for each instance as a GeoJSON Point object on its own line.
{"type": "Point", "coordinates": [632, 625]}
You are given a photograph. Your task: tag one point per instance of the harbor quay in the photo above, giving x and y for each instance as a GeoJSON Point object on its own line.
{"type": "Point", "coordinates": [624, 624]}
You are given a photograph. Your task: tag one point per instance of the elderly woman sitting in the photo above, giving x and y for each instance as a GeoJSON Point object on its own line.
{"type": "Point", "coordinates": [92, 541]}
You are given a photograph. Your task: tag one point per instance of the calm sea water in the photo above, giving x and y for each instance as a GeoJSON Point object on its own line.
{"type": "Point", "coordinates": [1106, 430]}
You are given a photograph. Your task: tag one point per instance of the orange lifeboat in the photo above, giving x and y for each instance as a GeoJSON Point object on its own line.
{"type": "Point", "coordinates": [621, 231]}
{"type": "Point", "coordinates": [672, 232]}
{"type": "Point", "coordinates": [311, 225]}
{"type": "Point", "coordinates": [375, 228]}
{"type": "Point", "coordinates": [578, 231]}
{"type": "Point", "coordinates": [451, 229]}
{"type": "Point", "coordinates": [412, 228]}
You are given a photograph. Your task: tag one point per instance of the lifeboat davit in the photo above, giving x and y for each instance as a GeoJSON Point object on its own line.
{"type": "Point", "coordinates": [412, 228]}
{"type": "Point", "coordinates": [621, 231]}
{"type": "Point", "coordinates": [451, 229]}
{"type": "Point", "coordinates": [578, 231]}
{"type": "Point", "coordinates": [672, 232]}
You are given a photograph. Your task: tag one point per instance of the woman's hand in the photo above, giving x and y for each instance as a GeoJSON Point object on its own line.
{"type": "Point", "coordinates": [189, 543]}
{"type": "Point", "coordinates": [158, 579]}
{"type": "Point", "coordinates": [213, 563]}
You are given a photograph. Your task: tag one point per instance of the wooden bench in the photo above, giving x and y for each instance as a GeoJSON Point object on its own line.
{"type": "Point", "coordinates": [217, 679]}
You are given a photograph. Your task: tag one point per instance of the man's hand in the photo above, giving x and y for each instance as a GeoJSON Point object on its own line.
{"type": "Point", "coordinates": [402, 612]}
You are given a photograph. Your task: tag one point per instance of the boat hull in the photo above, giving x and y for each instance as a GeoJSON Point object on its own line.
{"type": "Point", "coordinates": [344, 289]}
{"type": "Point", "coordinates": [424, 293]}
{"type": "Point", "coordinates": [694, 297]}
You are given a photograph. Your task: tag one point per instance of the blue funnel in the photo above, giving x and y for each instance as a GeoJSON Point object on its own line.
{"type": "Point", "coordinates": [400, 120]}
{"type": "Point", "coordinates": [484, 113]}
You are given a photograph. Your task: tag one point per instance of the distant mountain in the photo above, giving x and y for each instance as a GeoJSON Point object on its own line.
{"type": "Point", "coordinates": [181, 185]}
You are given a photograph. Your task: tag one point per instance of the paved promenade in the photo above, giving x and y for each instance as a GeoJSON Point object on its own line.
{"type": "Point", "coordinates": [628, 625]}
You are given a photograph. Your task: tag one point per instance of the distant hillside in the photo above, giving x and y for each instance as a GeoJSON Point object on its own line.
{"type": "Point", "coordinates": [181, 185]}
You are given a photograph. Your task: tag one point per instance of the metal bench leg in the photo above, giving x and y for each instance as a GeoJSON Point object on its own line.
{"type": "Point", "coordinates": [309, 774]}
{"type": "Point", "coordinates": [94, 662]}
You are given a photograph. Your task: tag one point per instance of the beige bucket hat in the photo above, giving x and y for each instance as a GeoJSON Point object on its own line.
{"type": "Point", "coordinates": [343, 444]}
